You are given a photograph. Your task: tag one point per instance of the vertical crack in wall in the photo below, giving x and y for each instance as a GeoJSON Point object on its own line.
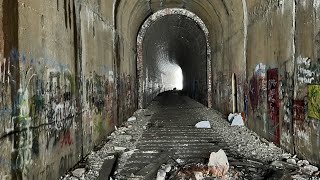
{"type": "Point", "coordinates": [78, 71]}
{"type": "Point", "coordinates": [293, 33]}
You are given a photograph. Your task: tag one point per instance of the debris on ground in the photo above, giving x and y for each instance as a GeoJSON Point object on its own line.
{"type": "Point", "coordinates": [78, 172]}
{"type": "Point", "coordinates": [292, 162]}
{"type": "Point", "coordinates": [231, 116]}
{"type": "Point", "coordinates": [133, 118]}
{"type": "Point", "coordinates": [218, 163]}
{"type": "Point", "coordinates": [249, 156]}
{"type": "Point", "coordinates": [123, 141]}
{"type": "Point", "coordinates": [203, 124]}
{"type": "Point", "coordinates": [236, 119]}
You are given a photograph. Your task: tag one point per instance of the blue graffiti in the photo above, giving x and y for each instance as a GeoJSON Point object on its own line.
{"type": "Point", "coordinates": [5, 111]}
{"type": "Point", "coordinates": [23, 59]}
{"type": "Point", "coordinates": [8, 164]}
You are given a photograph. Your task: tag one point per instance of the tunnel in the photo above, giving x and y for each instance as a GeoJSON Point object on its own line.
{"type": "Point", "coordinates": [174, 56]}
{"type": "Point", "coordinates": [72, 73]}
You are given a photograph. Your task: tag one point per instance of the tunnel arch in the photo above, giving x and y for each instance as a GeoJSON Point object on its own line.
{"type": "Point", "coordinates": [140, 41]}
{"type": "Point", "coordinates": [226, 21]}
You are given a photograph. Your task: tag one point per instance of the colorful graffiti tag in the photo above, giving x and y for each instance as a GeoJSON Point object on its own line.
{"type": "Point", "coordinates": [273, 104]}
{"type": "Point", "coordinates": [314, 101]}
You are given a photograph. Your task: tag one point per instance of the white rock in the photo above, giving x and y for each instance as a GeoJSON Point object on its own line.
{"type": "Point", "coordinates": [302, 163]}
{"type": "Point", "coordinates": [278, 164]}
{"type": "Point", "coordinates": [180, 161]}
{"type": "Point", "coordinates": [299, 177]}
{"type": "Point", "coordinates": [292, 161]}
{"type": "Point", "coordinates": [161, 175]}
{"type": "Point", "coordinates": [133, 118]}
{"type": "Point", "coordinates": [116, 148]}
{"type": "Point", "coordinates": [198, 175]}
{"type": "Point", "coordinates": [218, 159]}
{"type": "Point", "coordinates": [237, 121]}
{"type": "Point", "coordinates": [203, 124]}
{"type": "Point", "coordinates": [310, 169]}
{"type": "Point", "coordinates": [218, 164]}
{"type": "Point", "coordinates": [286, 155]}
{"type": "Point", "coordinates": [231, 116]}
{"type": "Point", "coordinates": [78, 172]}
{"type": "Point", "coordinates": [125, 137]}
{"type": "Point", "coordinates": [167, 168]}
{"type": "Point", "coordinates": [272, 145]}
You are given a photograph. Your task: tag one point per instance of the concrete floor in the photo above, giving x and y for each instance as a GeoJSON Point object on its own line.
{"type": "Point", "coordinates": [171, 134]}
{"type": "Point", "coordinates": [164, 134]}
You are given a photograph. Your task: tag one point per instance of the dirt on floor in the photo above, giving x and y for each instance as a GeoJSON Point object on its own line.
{"type": "Point", "coordinates": [163, 141]}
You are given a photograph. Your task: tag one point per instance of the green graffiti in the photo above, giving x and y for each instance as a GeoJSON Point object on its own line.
{"type": "Point", "coordinates": [314, 101]}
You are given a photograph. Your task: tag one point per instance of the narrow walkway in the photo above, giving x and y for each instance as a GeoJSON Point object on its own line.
{"type": "Point", "coordinates": [171, 133]}
{"type": "Point", "coordinates": [172, 129]}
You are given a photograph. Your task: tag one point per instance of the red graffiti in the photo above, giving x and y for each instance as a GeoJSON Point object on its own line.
{"type": "Point", "coordinates": [253, 92]}
{"type": "Point", "coordinates": [66, 139]}
{"type": "Point", "coordinates": [273, 103]}
{"type": "Point", "coordinates": [298, 112]}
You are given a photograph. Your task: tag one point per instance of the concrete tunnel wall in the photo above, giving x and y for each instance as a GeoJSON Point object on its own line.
{"type": "Point", "coordinates": [68, 74]}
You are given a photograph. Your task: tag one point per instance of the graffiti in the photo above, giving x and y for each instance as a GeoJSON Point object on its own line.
{"type": "Point", "coordinates": [66, 139]}
{"type": "Point", "coordinates": [314, 101]}
{"type": "Point", "coordinates": [100, 101]}
{"type": "Point", "coordinates": [253, 92]}
{"type": "Point", "coordinates": [245, 105]}
{"type": "Point", "coordinates": [5, 106]}
{"type": "Point", "coordinates": [23, 121]}
{"type": "Point", "coordinates": [65, 163]}
{"type": "Point", "coordinates": [260, 70]}
{"type": "Point", "coordinates": [60, 103]}
{"type": "Point", "coordinates": [273, 103]}
{"type": "Point", "coordinates": [298, 112]}
{"type": "Point", "coordinates": [95, 92]}
{"type": "Point", "coordinates": [304, 74]}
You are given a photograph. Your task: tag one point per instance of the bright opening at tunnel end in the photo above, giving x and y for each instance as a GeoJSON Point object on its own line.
{"type": "Point", "coordinates": [178, 78]}
{"type": "Point", "coordinates": [172, 76]}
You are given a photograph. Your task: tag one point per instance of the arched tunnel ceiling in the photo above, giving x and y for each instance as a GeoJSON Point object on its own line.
{"type": "Point", "coordinates": [216, 14]}
{"type": "Point", "coordinates": [174, 38]}
{"type": "Point", "coordinates": [223, 19]}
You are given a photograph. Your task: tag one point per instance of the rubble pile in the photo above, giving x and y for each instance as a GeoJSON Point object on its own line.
{"type": "Point", "coordinates": [122, 141]}
{"type": "Point", "coordinates": [302, 167]}
{"type": "Point", "coordinates": [241, 140]}
{"type": "Point", "coordinates": [245, 155]}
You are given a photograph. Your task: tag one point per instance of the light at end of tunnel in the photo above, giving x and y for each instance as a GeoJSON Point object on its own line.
{"type": "Point", "coordinates": [178, 78]}
{"type": "Point", "coordinates": [172, 76]}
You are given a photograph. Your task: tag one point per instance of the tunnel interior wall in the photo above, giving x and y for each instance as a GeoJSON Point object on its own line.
{"type": "Point", "coordinates": [59, 84]}
{"type": "Point", "coordinates": [282, 75]}
{"type": "Point", "coordinates": [68, 74]}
